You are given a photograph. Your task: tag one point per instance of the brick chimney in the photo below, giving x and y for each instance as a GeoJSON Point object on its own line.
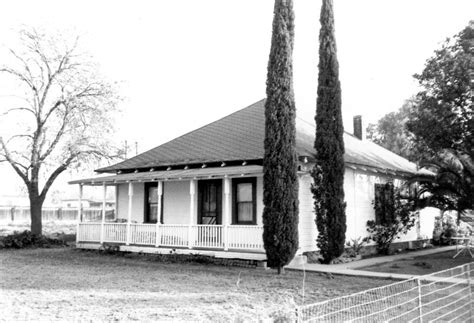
{"type": "Point", "coordinates": [359, 130]}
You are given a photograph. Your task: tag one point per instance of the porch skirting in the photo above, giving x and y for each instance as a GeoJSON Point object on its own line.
{"type": "Point", "coordinates": [230, 254]}
{"type": "Point", "coordinates": [222, 241]}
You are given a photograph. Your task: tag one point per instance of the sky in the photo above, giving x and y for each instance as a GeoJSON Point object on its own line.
{"type": "Point", "coordinates": [184, 63]}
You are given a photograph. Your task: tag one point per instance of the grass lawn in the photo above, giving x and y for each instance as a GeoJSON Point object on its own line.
{"type": "Point", "coordinates": [423, 265]}
{"type": "Point", "coordinates": [69, 284]}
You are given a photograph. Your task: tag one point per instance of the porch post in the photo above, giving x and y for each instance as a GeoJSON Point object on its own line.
{"type": "Point", "coordinates": [192, 206]}
{"type": "Point", "coordinates": [129, 217]}
{"type": "Point", "coordinates": [79, 213]}
{"type": "Point", "coordinates": [226, 218]}
{"type": "Point", "coordinates": [102, 223]}
{"type": "Point", "coordinates": [158, 213]}
{"type": "Point", "coordinates": [116, 202]}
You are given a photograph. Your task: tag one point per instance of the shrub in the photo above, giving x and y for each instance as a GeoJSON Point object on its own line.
{"type": "Point", "coordinates": [402, 217]}
{"type": "Point", "coordinates": [445, 228]}
{"type": "Point", "coordinates": [354, 246]}
{"type": "Point", "coordinates": [26, 239]}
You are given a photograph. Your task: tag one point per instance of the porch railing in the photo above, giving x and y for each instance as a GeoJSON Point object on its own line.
{"type": "Point", "coordinates": [242, 237]}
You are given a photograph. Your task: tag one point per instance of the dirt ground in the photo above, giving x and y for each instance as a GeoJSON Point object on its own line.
{"type": "Point", "coordinates": [69, 284]}
{"type": "Point", "coordinates": [423, 265]}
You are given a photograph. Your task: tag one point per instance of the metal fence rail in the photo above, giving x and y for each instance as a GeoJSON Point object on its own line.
{"type": "Point", "coordinates": [442, 296]}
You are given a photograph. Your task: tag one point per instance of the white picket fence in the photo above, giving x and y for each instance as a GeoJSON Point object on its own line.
{"type": "Point", "coordinates": [444, 296]}
{"type": "Point", "coordinates": [245, 237]}
{"type": "Point", "coordinates": [20, 214]}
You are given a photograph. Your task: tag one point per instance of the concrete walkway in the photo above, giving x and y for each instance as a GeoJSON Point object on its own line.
{"type": "Point", "coordinates": [350, 267]}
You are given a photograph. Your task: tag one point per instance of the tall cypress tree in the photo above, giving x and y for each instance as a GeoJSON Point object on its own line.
{"type": "Point", "coordinates": [328, 173]}
{"type": "Point", "coordinates": [280, 181]}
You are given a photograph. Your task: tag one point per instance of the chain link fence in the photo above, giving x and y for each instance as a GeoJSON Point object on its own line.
{"type": "Point", "coordinates": [444, 296]}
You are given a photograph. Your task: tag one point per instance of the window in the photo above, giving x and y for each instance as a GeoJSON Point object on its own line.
{"type": "Point", "coordinates": [384, 203]}
{"type": "Point", "coordinates": [151, 203]}
{"type": "Point", "coordinates": [244, 201]}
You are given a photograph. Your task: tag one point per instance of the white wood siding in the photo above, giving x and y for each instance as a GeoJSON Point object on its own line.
{"type": "Point", "coordinates": [259, 200]}
{"type": "Point", "coordinates": [137, 202]}
{"type": "Point", "coordinates": [176, 202]}
{"type": "Point", "coordinates": [307, 232]}
{"type": "Point", "coordinates": [359, 194]}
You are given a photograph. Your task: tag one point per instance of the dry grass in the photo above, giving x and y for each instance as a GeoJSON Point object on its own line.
{"type": "Point", "coordinates": [69, 284]}
{"type": "Point", "coordinates": [424, 264]}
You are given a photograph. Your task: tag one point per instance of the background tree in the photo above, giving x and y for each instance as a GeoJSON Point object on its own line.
{"type": "Point", "coordinates": [443, 116]}
{"type": "Point", "coordinates": [442, 123]}
{"type": "Point", "coordinates": [390, 132]}
{"type": "Point", "coordinates": [280, 181]}
{"type": "Point", "coordinates": [436, 128]}
{"type": "Point", "coordinates": [453, 186]}
{"type": "Point", "coordinates": [328, 173]}
{"type": "Point", "coordinates": [62, 115]}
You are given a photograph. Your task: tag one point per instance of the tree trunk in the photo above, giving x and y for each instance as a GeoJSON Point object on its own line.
{"type": "Point", "coordinates": [36, 205]}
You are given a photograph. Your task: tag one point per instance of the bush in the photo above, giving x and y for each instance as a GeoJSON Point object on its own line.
{"type": "Point", "coordinates": [445, 228]}
{"type": "Point", "coordinates": [354, 246]}
{"type": "Point", "coordinates": [26, 239]}
{"type": "Point", "coordinates": [403, 219]}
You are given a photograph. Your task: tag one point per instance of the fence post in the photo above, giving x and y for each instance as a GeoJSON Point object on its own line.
{"type": "Point", "coordinates": [420, 309]}
{"type": "Point", "coordinates": [297, 314]}
{"type": "Point", "coordinates": [12, 213]}
{"type": "Point", "coordinates": [470, 288]}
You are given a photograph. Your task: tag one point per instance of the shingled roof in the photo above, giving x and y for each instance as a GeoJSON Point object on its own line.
{"type": "Point", "coordinates": [240, 135]}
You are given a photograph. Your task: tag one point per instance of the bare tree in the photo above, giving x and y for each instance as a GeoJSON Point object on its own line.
{"type": "Point", "coordinates": [61, 115]}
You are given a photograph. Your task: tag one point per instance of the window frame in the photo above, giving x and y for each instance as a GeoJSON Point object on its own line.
{"type": "Point", "coordinates": [146, 218]}
{"type": "Point", "coordinates": [235, 183]}
{"type": "Point", "coordinates": [202, 184]}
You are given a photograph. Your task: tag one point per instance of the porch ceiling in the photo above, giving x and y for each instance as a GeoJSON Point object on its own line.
{"type": "Point", "coordinates": [178, 174]}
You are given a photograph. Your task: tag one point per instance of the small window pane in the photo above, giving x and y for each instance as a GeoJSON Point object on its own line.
{"type": "Point", "coordinates": [244, 192]}
{"type": "Point", "coordinates": [153, 195]}
{"type": "Point", "coordinates": [153, 216]}
{"type": "Point", "coordinates": [245, 212]}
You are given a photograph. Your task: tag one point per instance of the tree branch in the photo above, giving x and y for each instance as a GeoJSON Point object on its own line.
{"type": "Point", "coordinates": [19, 109]}
{"type": "Point", "coordinates": [56, 139]}
{"type": "Point", "coordinates": [13, 163]}
{"type": "Point", "coordinates": [55, 174]}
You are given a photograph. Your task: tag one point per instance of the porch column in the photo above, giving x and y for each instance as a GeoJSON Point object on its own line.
{"type": "Point", "coordinates": [129, 217]}
{"type": "Point", "coordinates": [192, 207]}
{"type": "Point", "coordinates": [102, 223]}
{"type": "Point", "coordinates": [116, 202]}
{"type": "Point", "coordinates": [158, 213]}
{"type": "Point", "coordinates": [79, 213]}
{"type": "Point", "coordinates": [227, 213]}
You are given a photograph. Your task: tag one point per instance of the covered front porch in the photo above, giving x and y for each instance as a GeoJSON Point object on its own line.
{"type": "Point", "coordinates": [212, 211]}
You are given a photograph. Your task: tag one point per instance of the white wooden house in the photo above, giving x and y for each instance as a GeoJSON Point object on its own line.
{"type": "Point", "coordinates": [201, 193]}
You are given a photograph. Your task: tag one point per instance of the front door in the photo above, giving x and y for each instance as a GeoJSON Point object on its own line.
{"type": "Point", "coordinates": [210, 201]}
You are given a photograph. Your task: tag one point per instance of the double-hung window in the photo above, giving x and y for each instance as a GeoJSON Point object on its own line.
{"type": "Point", "coordinates": [151, 203]}
{"type": "Point", "coordinates": [244, 201]}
